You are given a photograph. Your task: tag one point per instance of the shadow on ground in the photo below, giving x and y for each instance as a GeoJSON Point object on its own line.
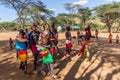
{"type": "Point", "coordinates": [104, 54]}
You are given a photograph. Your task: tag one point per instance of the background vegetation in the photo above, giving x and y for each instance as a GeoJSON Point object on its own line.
{"type": "Point", "coordinates": [103, 17]}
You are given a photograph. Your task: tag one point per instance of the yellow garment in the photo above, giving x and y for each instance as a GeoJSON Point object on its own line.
{"type": "Point", "coordinates": [86, 48]}
{"type": "Point", "coordinates": [110, 37]}
{"type": "Point", "coordinates": [23, 57]}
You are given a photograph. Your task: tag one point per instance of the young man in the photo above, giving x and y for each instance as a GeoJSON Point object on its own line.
{"type": "Point", "coordinates": [33, 37]}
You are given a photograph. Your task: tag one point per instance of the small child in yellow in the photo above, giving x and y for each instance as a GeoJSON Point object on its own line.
{"type": "Point", "coordinates": [110, 38]}
{"type": "Point", "coordinates": [84, 51]}
{"type": "Point", "coordinates": [117, 39]}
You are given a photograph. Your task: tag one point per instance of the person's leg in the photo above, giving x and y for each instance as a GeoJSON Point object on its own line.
{"type": "Point", "coordinates": [87, 56]}
{"type": "Point", "coordinates": [69, 52]}
{"type": "Point", "coordinates": [65, 53]}
{"type": "Point", "coordinates": [17, 54]}
{"type": "Point", "coordinates": [117, 41]}
{"type": "Point", "coordinates": [26, 65]}
{"type": "Point", "coordinates": [82, 55]}
{"type": "Point", "coordinates": [21, 65]}
{"type": "Point", "coordinates": [110, 40]}
{"type": "Point", "coordinates": [35, 61]}
{"type": "Point", "coordinates": [52, 70]}
{"type": "Point", "coordinates": [11, 45]}
{"type": "Point", "coordinates": [97, 36]}
{"type": "Point", "coordinates": [43, 69]}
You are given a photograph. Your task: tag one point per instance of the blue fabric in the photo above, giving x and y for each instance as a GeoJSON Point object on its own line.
{"type": "Point", "coordinates": [33, 36]}
{"type": "Point", "coordinates": [20, 45]}
{"type": "Point", "coordinates": [55, 42]}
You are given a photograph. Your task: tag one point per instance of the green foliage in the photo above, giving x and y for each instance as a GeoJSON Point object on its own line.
{"type": "Point", "coordinates": [27, 9]}
{"type": "Point", "coordinates": [108, 13]}
{"type": "Point", "coordinates": [61, 19]}
{"type": "Point", "coordinates": [38, 11]}
{"type": "Point", "coordinates": [84, 14]}
{"type": "Point", "coordinates": [9, 26]}
{"type": "Point", "coordinates": [97, 26]}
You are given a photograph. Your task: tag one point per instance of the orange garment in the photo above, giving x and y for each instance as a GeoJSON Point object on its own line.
{"type": "Point", "coordinates": [22, 55]}
{"type": "Point", "coordinates": [110, 38]}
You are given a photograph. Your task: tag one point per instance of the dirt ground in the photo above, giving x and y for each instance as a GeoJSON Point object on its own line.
{"type": "Point", "coordinates": [104, 63]}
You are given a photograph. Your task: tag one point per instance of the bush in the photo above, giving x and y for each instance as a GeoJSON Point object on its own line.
{"type": "Point", "coordinates": [97, 26]}
{"type": "Point", "coordinates": [9, 26]}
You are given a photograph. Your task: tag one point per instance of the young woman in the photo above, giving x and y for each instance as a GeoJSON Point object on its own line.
{"type": "Point", "coordinates": [46, 44]}
{"type": "Point", "coordinates": [21, 46]}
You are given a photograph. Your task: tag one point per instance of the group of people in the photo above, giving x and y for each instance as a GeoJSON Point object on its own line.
{"type": "Point", "coordinates": [110, 37]}
{"type": "Point", "coordinates": [42, 43]}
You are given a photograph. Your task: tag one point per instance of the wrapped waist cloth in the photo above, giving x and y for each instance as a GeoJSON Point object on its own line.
{"type": "Point", "coordinates": [22, 55]}
{"type": "Point", "coordinates": [34, 48]}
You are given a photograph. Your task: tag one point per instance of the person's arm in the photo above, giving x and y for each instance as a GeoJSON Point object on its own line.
{"type": "Point", "coordinates": [21, 40]}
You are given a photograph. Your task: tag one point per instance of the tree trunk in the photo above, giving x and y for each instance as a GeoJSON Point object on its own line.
{"type": "Point", "coordinates": [109, 28]}
{"type": "Point", "coordinates": [118, 27]}
{"type": "Point", "coordinates": [20, 20]}
{"type": "Point", "coordinates": [84, 21]}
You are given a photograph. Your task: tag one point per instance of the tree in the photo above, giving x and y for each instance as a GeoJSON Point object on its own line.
{"type": "Point", "coordinates": [108, 13]}
{"type": "Point", "coordinates": [84, 14]}
{"type": "Point", "coordinates": [38, 11]}
{"type": "Point", "coordinates": [64, 18]}
{"type": "Point", "coordinates": [72, 9]}
{"type": "Point", "coordinates": [118, 22]}
{"type": "Point", "coordinates": [19, 6]}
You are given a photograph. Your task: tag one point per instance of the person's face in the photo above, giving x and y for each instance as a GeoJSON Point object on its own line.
{"type": "Point", "coordinates": [67, 25]}
{"type": "Point", "coordinates": [33, 28]}
{"type": "Point", "coordinates": [47, 27]}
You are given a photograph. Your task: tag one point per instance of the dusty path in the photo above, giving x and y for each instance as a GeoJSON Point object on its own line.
{"type": "Point", "coordinates": [104, 64]}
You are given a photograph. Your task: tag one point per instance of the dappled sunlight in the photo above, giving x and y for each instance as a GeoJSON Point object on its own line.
{"type": "Point", "coordinates": [104, 63]}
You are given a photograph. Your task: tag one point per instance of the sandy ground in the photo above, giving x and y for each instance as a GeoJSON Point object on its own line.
{"type": "Point", "coordinates": [104, 64]}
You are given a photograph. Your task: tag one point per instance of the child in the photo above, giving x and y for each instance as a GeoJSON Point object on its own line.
{"type": "Point", "coordinates": [21, 46]}
{"type": "Point", "coordinates": [11, 43]}
{"type": "Point", "coordinates": [84, 52]}
{"type": "Point", "coordinates": [96, 33]}
{"type": "Point", "coordinates": [117, 39]}
{"type": "Point", "coordinates": [110, 38]}
{"type": "Point", "coordinates": [68, 48]}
